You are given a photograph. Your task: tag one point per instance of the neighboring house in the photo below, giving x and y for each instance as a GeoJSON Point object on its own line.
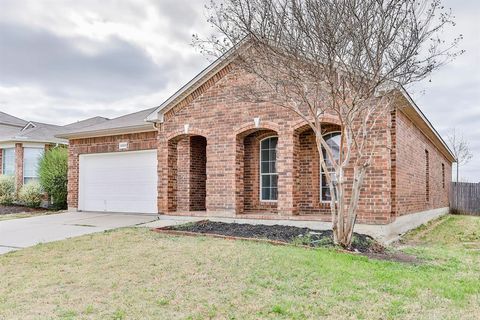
{"type": "Point", "coordinates": [23, 143]}
{"type": "Point", "coordinates": [205, 152]}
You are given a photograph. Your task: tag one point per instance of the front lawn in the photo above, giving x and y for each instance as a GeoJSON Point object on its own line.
{"type": "Point", "coordinates": [139, 274]}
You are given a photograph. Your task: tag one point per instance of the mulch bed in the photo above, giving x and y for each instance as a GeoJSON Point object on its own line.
{"type": "Point", "coordinates": [18, 209]}
{"type": "Point", "coordinates": [279, 234]}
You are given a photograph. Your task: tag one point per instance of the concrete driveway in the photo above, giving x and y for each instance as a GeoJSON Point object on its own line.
{"type": "Point", "coordinates": [21, 233]}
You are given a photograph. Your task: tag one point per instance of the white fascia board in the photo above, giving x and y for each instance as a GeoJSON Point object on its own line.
{"type": "Point", "coordinates": [107, 132]}
{"type": "Point", "coordinates": [7, 145]}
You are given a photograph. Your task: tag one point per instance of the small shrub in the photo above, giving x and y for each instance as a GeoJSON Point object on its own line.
{"type": "Point", "coordinates": [7, 189]}
{"type": "Point", "coordinates": [53, 170]}
{"type": "Point", "coordinates": [302, 240]}
{"type": "Point", "coordinates": [31, 194]}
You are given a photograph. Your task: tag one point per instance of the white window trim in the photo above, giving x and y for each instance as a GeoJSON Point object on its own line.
{"type": "Point", "coordinates": [30, 177]}
{"type": "Point", "coordinates": [3, 160]}
{"type": "Point", "coordinates": [320, 171]}
{"type": "Point", "coordinates": [265, 174]}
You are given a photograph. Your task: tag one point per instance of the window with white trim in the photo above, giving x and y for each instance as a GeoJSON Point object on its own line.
{"type": "Point", "coordinates": [268, 169]}
{"type": "Point", "coordinates": [8, 159]}
{"type": "Point", "coordinates": [31, 159]}
{"type": "Point", "coordinates": [333, 141]}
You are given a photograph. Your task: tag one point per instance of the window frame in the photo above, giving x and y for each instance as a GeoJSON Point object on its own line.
{"type": "Point", "coordinates": [4, 158]}
{"type": "Point", "coordinates": [260, 174]}
{"type": "Point", "coordinates": [443, 175]}
{"type": "Point", "coordinates": [31, 178]}
{"type": "Point", "coordinates": [427, 176]}
{"type": "Point", "coordinates": [321, 170]}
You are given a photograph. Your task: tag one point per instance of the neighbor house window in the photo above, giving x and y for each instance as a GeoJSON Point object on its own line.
{"type": "Point", "coordinates": [268, 169]}
{"type": "Point", "coordinates": [31, 158]}
{"type": "Point", "coordinates": [333, 141]}
{"type": "Point", "coordinates": [8, 165]}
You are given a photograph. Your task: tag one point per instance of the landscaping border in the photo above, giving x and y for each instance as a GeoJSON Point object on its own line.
{"type": "Point", "coordinates": [404, 258]}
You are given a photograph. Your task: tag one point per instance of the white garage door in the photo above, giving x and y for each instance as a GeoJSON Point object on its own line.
{"type": "Point", "coordinates": [118, 182]}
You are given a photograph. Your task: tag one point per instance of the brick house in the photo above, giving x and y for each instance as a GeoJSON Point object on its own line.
{"type": "Point", "coordinates": [205, 152]}
{"type": "Point", "coordinates": [22, 144]}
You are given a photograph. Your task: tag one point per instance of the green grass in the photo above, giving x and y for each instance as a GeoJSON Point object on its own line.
{"type": "Point", "coordinates": [139, 274]}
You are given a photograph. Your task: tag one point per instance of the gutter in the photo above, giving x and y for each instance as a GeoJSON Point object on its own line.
{"type": "Point", "coordinates": [20, 140]}
{"type": "Point", "coordinates": [107, 132]}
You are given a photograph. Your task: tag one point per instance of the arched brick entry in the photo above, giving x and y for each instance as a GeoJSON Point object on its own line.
{"type": "Point", "coordinates": [187, 176]}
{"type": "Point", "coordinates": [307, 176]}
{"type": "Point", "coordinates": [247, 177]}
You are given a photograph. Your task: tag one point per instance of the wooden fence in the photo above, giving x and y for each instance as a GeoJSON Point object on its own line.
{"type": "Point", "coordinates": [468, 198]}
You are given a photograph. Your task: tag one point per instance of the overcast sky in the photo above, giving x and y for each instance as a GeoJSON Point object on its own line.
{"type": "Point", "coordinates": [61, 61]}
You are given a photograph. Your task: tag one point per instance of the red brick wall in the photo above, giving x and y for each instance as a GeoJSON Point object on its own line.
{"type": "Point", "coordinates": [198, 173]}
{"type": "Point", "coordinates": [218, 112]}
{"type": "Point", "coordinates": [19, 165]}
{"type": "Point", "coordinates": [183, 175]}
{"type": "Point", "coordinates": [411, 170]}
{"type": "Point", "coordinates": [136, 141]}
{"type": "Point", "coordinates": [187, 177]}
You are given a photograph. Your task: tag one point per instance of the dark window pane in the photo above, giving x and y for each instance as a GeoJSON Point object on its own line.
{"type": "Point", "coordinates": [265, 193]}
{"type": "Point", "coordinates": [274, 181]}
{"type": "Point", "coordinates": [273, 143]}
{"type": "Point", "coordinates": [274, 194]}
{"type": "Point", "coordinates": [324, 181]}
{"type": "Point", "coordinates": [265, 155]}
{"type": "Point", "coordinates": [326, 194]}
{"type": "Point", "coordinates": [265, 167]}
{"type": "Point", "coordinates": [265, 144]}
{"type": "Point", "coordinates": [273, 166]}
{"type": "Point", "coordinates": [266, 182]}
{"type": "Point", "coordinates": [273, 154]}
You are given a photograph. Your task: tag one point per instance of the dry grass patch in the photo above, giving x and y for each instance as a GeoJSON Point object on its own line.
{"type": "Point", "coordinates": [139, 274]}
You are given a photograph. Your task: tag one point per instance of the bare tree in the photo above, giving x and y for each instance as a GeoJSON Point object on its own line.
{"type": "Point", "coordinates": [460, 149]}
{"type": "Point", "coordinates": [346, 58]}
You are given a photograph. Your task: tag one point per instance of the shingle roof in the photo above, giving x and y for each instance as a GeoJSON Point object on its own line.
{"type": "Point", "coordinates": [13, 129]}
{"type": "Point", "coordinates": [40, 132]}
{"type": "Point", "coordinates": [7, 119]}
{"type": "Point", "coordinates": [8, 131]}
{"type": "Point", "coordinates": [130, 122]}
{"type": "Point", "coordinates": [85, 123]}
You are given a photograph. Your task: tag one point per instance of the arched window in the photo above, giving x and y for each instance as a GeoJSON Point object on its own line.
{"type": "Point", "coordinates": [268, 169]}
{"type": "Point", "coordinates": [333, 141]}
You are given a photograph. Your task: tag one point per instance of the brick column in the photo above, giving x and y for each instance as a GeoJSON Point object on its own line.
{"type": "Point", "coordinates": [183, 174]}
{"type": "Point", "coordinates": [163, 174]}
{"type": "Point", "coordinates": [19, 165]}
{"type": "Point", "coordinates": [73, 163]}
{"type": "Point", "coordinates": [286, 173]}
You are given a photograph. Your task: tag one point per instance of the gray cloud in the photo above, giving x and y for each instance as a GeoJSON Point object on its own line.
{"type": "Point", "coordinates": [115, 70]}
